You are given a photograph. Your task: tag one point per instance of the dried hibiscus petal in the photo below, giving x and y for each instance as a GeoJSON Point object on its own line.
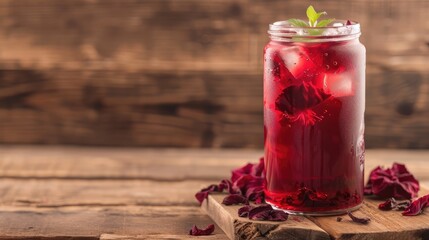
{"type": "Point", "coordinates": [237, 173]}
{"type": "Point", "coordinates": [367, 190]}
{"type": "Point", "coordinates": [195, 231]}
{"type": "Point", "coordinates": [244, 211]}
{"type": "Point", "coordinates": [245, 182]}
{"type": "Point", "coordinates": [226, 184]}
{"type": "Point", "coordinates": [395, 182]}
{"type": "Point", "coordinates": [254, 193]}
{"type": "Point", "coordinates": [392, 204]}
{"type": "Point", "coordinates": [277, 215]}
{"type": "Point", "coordinates": [223, 185]}
{"type": "Point", "coordinates": [260, 212]}
{"type": "Point", "coordinates": [204, 193]}
{"type": "Point", "coordinates": [295, 99]}
{"type": "Point", "coordinates": [363, 220]}
{"type": "Point", "coordinates": [417, 206]}
{"type": "Point", "coordinates": [401, 206]}
{"type": "Point", "coordinates": [246, 185]}
{"type": "Point", "coordinates": [389, 204]}
{"type": "Point", "coordinates": [234, 199]}
{"type": "Point", "coordinates": [264, 212]}
{"type": "Point", "coordinates": [256, 170]}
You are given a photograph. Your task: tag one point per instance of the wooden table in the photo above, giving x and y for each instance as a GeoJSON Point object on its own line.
{"type": "Point", "coordinates": [108, 193]}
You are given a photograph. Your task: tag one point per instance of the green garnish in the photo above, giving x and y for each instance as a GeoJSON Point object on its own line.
{"type": "Point", "coordinates": [298, 22]}
{"type": "Point", "coordinates": [313, 18]}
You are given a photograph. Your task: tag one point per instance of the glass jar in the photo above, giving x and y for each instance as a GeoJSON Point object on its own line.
{"type": "Point", "coordinates": [314, 102]}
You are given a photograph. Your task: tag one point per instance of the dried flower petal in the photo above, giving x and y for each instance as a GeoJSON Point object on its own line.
{"type": "Point", "coordinates": [244, 211]}
{"type": "Point", "coordinates": [195, 231]}
{"type": "Point", "coordinates": [417, 206]}
{"type": "Point", "coordinates": [246, 185]}
{"type": "Point", "coordinates": [234, 199]}
{"type": "Point", "coordinates": [260, 199]}
{"type": "Point", "coordinates": [389, 204]}
{"type": "Point", "coordinates": [260, 212]}
{"type": "Point", "coordinates": [363, 220]}
{"type": "Point", "coordinates": [401, 206]}
{"type": "Point", "coordinates": [204, 193]}
{"type": "Point", "coordinates": [258, 169]}
{"type": "Point", "coordinates": [226, 184]}
{"type": "Point", "coordinates": [367, 190]}
{"type": "Point", "coordinates": [296, 99]}
{"type": "Point", "coordinates": [278, 215]}
{"type": "Point", "coordinates": [255, 193]}
{"type": "Point", "coordinates": [395, 182]}
{"type": "Point", "coordinates": [392, 204]}
{"type": "Point", "coordinates": [237, 173]}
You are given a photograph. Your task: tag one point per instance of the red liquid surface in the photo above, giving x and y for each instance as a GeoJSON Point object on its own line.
{"type": "Point", "coordinates": [313, 121]}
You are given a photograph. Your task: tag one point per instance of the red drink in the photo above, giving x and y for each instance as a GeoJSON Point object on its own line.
{"type": "Point", "coordinates": [314, 100]}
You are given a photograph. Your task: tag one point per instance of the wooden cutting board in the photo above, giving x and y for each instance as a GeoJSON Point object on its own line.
{"type": "Point", "coordinates": [383, 225]}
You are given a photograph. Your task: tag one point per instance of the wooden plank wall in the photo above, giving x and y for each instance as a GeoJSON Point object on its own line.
{"type": "Point", "coordinates": [188, 73]}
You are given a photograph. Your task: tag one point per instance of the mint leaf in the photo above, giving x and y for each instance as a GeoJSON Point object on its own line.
{"type": "Point", "coordinates": [324, 23]}
{"type": "Point", "coordinates": [297, 22]}
{"type": "Point", "coordinates": [313, 15]}
{"type": "Point", "coordinates": [315, 32]}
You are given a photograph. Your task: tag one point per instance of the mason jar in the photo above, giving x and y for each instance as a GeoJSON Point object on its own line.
{"type": "Point", "coordinates": [314, 103]}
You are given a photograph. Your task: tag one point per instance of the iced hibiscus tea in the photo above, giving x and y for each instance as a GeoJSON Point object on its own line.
{"type": "Point", "coordinates": [314, 100]}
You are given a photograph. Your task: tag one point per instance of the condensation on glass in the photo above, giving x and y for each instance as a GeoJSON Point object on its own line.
{"type": "Point", "coordinates": [314, 102]}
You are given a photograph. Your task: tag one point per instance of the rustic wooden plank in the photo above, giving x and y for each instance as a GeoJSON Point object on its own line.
{"type": "Point", "coordinates": [55, 193]}
{"type": "Point", "coordinates": [158, 236]}
{"type": "Point", "coordinates": [397, 104]}
{"type": "Point", "coordinates": [217, 34]}
{"type": "Point", "coordinates": [123, 34]}
{"type": "Point", "coordinates": [120, 163]}
{"type": "Point", "coordinates": [208, 109]}
{"type": "Point", "coordinates": [91, 223]}
{"type": "Point", "coordinates": [62, 82]}
{"type": "Point", "coordinates": [60, 162]}
{"type": "Point", "coordinates": [131, 109]}
{"type": "Point", "coordinates": [297, 227]}
{"type": "Point", "coordinates": [63, 193]}
{"type": "Point", "coordinates": [383, 225]}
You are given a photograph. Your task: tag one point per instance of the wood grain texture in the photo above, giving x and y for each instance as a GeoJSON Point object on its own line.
{"type": "Point", "coordinates": [383, 225]}
{"type": "Point", "coordinates": [48, 162]}
{"type": "Point", "coordinates": [92, 223]}
{"type": "Point", "coordinates": [187, 73]}
{"type": "Point", "coordinates": [227, 218]}
{"type": "Point", "coordinates": [191, 109]}
{"type": "Point", "coordinates": [130, 193]}
{"type": "Point", "coordinates": [55, 193]}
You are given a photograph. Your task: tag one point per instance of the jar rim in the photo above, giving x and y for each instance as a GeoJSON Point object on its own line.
{"type": "Point", "coordinates": [336, 31]}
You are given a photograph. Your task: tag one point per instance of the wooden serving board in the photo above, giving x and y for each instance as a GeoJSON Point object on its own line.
{"type": "Point", "coordinates": [383, 225]}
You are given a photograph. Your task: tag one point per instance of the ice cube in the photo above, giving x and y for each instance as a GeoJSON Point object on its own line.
{"type": "Point", "coordinates": [292, 56]}
{"type": "Point", "coordinates": [338, 84]}
{"type": "Point", "coordinates": [330, 32]}
{"type": "Point", "coordinates": [300, 65]}
{"type": "Point", "coordinates": [345, 30]}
